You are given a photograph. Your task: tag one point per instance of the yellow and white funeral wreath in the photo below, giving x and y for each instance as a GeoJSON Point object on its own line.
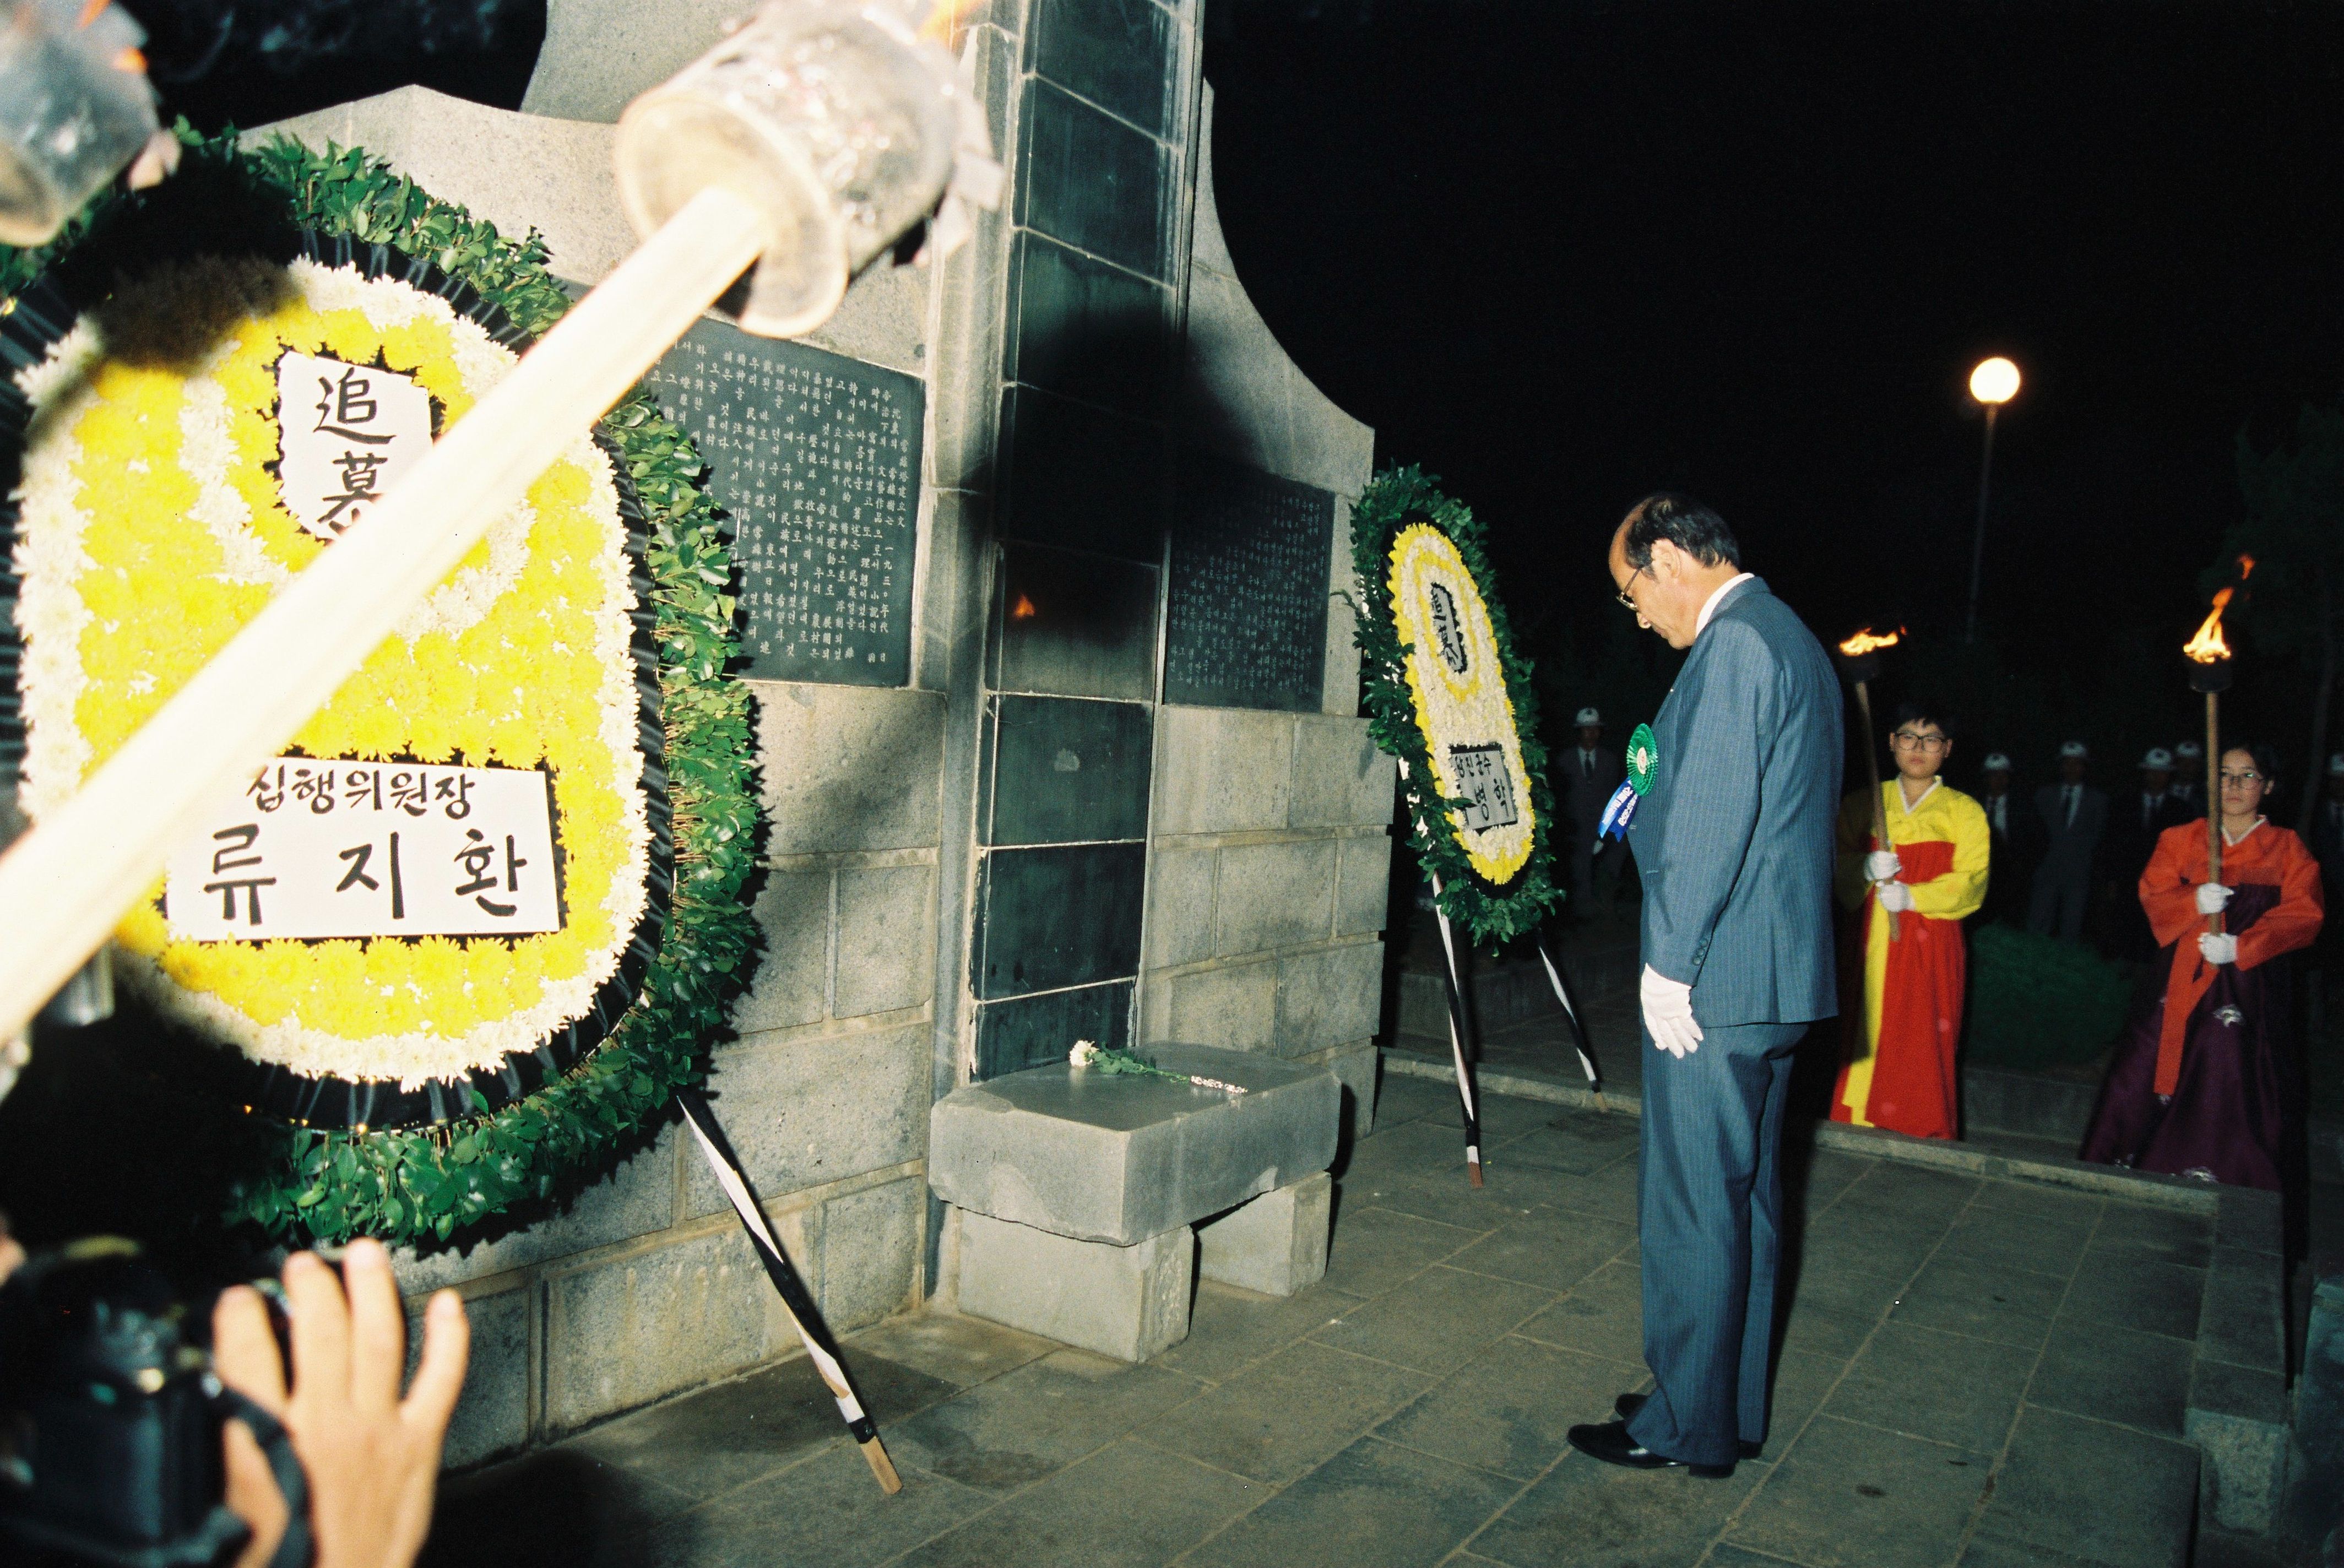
{"type": "Point", "coordinates": [1448, 696]}
{"type": "Point", "coordinates": [184, 365]}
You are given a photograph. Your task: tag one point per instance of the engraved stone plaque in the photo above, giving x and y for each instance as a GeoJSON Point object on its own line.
{"type": "Point", "coordinates": [1246, 621]}
{"type": "Point", "coordinates": [816, 457]}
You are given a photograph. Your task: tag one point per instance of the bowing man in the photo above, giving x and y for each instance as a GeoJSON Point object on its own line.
{"type": "Point", "coordinates": [1733, 842]}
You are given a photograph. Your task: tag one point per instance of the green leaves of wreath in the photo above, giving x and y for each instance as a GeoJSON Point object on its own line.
{"type": "Point", "coordinates": [1395, 499]}
{"type": "Point", "coordinates": [427, 1185]}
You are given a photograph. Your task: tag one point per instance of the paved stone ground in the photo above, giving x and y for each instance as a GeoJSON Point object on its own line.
{"type": "Point", "coordinates": [1973, 1371]}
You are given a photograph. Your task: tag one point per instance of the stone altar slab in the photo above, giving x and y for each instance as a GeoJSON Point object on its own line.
{"type": "Point", "coordinates": [1101, 1158]}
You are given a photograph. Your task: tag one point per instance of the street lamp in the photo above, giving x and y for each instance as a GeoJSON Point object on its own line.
{"type": "Point", "coordinates": [1993, 383]}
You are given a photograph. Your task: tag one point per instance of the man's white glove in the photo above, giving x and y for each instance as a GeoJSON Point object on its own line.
{"type": "Point", "coordinates": [1882, 865]}
{"type": "Point", "coordinates": [1896, 896]}
{"type": "Point", "coordinates": [2212, 898]}
{"type": "Point", "coordinates": [1668, 1013]}
{"type": "Point", "coordinates": [2222, 950]}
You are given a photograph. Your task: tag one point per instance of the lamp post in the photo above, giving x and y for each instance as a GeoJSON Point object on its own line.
{"type": "Point", "coordinates": [1993, 383]}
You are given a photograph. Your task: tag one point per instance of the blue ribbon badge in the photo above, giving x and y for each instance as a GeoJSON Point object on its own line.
{"type": "Point", "coordinates": [1618, 814]}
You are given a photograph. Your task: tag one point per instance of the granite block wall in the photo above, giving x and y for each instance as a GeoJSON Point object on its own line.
{"type": "Point", "coordinates": [1022, 843]}
{"type": "Point", "coordinates": [645, 1286]}
{"type": "Point", "coordinates": [1266, 888]}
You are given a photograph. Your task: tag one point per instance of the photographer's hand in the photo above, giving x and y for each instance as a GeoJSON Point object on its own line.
{"type": "Point", "coordinates": [373, 1459]}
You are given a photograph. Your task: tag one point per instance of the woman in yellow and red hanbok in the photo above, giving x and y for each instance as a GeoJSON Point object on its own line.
{"type": "Point", "coordinates": [1909, 897]}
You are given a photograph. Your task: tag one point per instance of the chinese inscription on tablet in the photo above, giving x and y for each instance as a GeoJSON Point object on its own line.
{"type": "Point", "coordinates": [816, 458]}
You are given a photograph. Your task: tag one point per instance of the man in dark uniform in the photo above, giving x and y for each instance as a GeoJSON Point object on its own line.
{"type": "Point", "coordinates": [2072, 817]}
{"type": "Point", "coordinates": [2190, 776]}
{"type": "Point", "coordinates": [2136, 822]}
{"type": "Point", "coordinates": [2006, 825]}
{"type": "Point", "coordinates": [1590, 772]}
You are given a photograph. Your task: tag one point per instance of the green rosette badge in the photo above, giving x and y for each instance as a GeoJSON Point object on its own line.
{"type": "Point", "coordinates": [454, 951]}
{"type": "Point", "coordinates": [1643, 758]}
{"type": "Point", "coordinates": [1449, 696]}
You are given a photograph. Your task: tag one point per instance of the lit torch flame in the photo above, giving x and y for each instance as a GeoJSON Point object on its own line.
{"type": "Point", "coordinates": [2207, 647]}
{"type": "Point", "coordinates": [944, 24]}
{"type": "Point", "coordinates": [1866, 641]}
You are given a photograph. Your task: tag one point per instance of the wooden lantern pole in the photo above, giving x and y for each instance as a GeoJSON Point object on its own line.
{"type": "Point", "coordinates": [1859, 659]}
{"type": "Point", "coordinates": [2209, 673]}
{"type": "Point", "coordinates": [1879, 806]}
{"type": "Point", "coordinates": [2213, 800]}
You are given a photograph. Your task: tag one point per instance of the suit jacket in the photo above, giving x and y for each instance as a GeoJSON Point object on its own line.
{"type": "Point", "coordinates": [1586, 792]}
{"type": "Point", "coordinates": [2014, 854]}
{"type": "Point", "coordinates": [1733, 841]}
{"type": "Point", "coordinates": [2068, 847]}
{"type": "Point", "coordinates": [2129, 844]}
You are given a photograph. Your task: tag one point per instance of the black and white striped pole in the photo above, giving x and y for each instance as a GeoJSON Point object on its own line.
{"type": "Point", "coordinates": [804, 1316]}
{"type": "Point", "coordinates": [1461, 1023]}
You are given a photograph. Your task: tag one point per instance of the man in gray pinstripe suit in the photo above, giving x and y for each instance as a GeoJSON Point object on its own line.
{"type": "Point", "coordinates": [1733, 844]}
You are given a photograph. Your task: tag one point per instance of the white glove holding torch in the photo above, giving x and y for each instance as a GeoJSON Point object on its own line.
{"type": "Point", "coordinates": [1882, 865]}
{"type": "Point", "coordinates": [2218, 950]}
{"type": "Point", "coordinates": [1668, 1013]}
{"type": "Point", "coordinates": [2212, 898]}
{"type": "Point", "coordinates": [1896, 897]}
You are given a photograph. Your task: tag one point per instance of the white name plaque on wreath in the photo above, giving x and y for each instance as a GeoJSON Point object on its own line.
{"type": "Point", "coordinates": [331, 848]}
{"type": "Point", "coordinates": [1485, 785]}
{"type": "Point", "coordinates": [348, 433]}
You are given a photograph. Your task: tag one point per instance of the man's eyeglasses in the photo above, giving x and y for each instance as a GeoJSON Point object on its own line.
{"type": "Point", "coordinates": [1912, 743]}
{"type": "Point", "coordinates": [1622, 594]}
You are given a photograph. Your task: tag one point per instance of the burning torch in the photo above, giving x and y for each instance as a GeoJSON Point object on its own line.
{"type": "Point", "coordinates": [2209, 672]}
{"type": "Point", "coordinates": [1859, 659]}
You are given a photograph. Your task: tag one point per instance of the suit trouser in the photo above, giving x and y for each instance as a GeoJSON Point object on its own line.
{"type": "Point", "coordinates": [1709, 1209]}
{"type": "Point", "coordinates": [2059, 900]}
{"type": "Point", "coordinates": [1586, 860]}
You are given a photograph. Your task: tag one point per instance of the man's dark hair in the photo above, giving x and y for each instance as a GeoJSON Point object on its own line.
{"type": "Point", "coordinates": [1921, 712]}
{"type": "Point", "coordinates": [1683, 522]}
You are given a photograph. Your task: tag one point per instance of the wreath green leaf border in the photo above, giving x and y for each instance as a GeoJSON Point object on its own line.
{"type": "Point", "coordinates": [425, 1186]}
{"type": "Point", "coordinates": [1395, 499]}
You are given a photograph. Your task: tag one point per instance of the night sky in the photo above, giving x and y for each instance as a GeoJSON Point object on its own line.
{"type": "Point", "coordinates": [1564, 254]}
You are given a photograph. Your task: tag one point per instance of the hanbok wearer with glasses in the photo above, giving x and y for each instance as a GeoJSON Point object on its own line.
{"type": "Point", "coordinates": [2208, 1083]}
{"type": "Point", "coordinates": [1898, 1062]}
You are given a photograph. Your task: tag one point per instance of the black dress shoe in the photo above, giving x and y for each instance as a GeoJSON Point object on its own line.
{"type": "Point", "coordinates": [1627, 1405]}
{"type": "Point", "coordinates": [1610, 1443]}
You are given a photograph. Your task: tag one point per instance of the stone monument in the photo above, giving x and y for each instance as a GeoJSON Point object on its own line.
{"type": "Point", "coordinates": [1057, 708]}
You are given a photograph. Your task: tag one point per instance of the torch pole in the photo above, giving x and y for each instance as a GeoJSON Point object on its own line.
{"type": "Point", "coordinates": [1879, 806]}
{"type": "Point", "coordinates": [2214, 801]}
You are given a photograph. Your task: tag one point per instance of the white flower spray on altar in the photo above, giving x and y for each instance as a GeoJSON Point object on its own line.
{"type": "Point", "coordinates": [1086, 1055]}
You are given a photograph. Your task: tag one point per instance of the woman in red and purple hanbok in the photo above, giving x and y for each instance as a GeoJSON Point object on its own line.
{"type": "Point", "coordinates": [2208, 1083]}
